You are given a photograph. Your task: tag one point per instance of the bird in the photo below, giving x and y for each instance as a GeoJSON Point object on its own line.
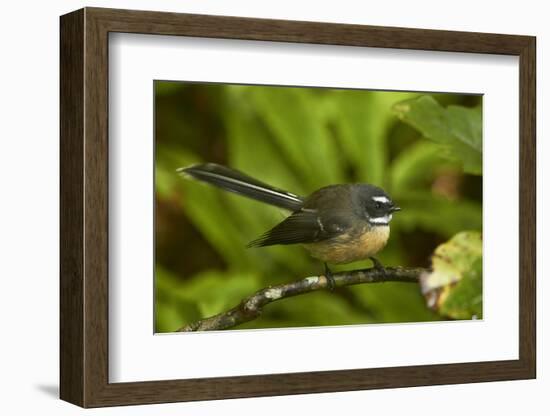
{"type": "Point", "coordinates": [337, 224]}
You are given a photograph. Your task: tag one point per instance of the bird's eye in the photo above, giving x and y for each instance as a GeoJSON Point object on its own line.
{"type": "Point", "coordinates": [378, 205]}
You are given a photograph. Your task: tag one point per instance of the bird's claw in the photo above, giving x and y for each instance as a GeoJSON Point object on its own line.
{"type": "Point", "coordinates": [331, 284]}
{"type": "Point", "coordinates": [378, 266]}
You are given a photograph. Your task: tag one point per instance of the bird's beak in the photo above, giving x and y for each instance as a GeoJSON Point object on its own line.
{"type": "Point", "coordinates": [395, 209]}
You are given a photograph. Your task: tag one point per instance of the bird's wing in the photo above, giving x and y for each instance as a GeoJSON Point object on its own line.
{"type": "Point", "coordinates": [304, 226]}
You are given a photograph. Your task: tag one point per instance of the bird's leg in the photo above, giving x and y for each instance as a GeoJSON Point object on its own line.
{"type": "Point", "coordinates": [330, 279]}
{"type": "Point", "coordinates": [378, 266]}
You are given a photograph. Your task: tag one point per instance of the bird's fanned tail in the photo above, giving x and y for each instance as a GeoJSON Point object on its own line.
{"type": "Point", "coordinates": [235, 181]}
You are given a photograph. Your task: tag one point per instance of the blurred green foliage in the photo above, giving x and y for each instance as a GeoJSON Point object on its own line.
{"type": "Point", "coordinates": [301, 139]}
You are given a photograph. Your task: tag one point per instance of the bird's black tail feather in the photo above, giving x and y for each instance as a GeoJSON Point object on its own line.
{"type": "Point", "coordinates": [234, 181]}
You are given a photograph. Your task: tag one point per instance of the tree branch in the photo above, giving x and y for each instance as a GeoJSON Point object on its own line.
{"type": "Point", "coordinates": [251, 307]}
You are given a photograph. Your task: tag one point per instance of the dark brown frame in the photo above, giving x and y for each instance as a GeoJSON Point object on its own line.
{"type": "Point", "coordinates": [84, 207]}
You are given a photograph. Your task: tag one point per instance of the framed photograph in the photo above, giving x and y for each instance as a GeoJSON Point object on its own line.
{"type": "Point", "coordinates": [254, 207]}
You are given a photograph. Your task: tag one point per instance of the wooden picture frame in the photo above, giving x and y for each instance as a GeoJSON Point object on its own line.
{"type": "Point", "coordinates": [84, 207]}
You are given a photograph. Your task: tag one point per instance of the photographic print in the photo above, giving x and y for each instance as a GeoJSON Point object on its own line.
{"type": "Point", "coordinates": [282, 206]}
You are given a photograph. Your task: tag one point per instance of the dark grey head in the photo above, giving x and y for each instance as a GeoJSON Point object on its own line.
{"type": "Point", "coordinates": [373, 204]}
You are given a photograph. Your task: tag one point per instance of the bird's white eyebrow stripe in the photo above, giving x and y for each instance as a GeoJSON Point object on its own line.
{"type": "Point", "coordinates": [380, 199]}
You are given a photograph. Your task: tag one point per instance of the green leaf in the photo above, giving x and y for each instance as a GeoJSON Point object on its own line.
{"type": "Point", "coordinates": [216, 291]}
{"type": "Point", "coordinates": [414, 167]}
{"type": "Point", "coordinates": [171, 311]}
{"type": "Point", "coordinates": [454, 286]}
{"type": "Point", "coordinates": [428, 212]}
{"type": "Point", "coordinates": [207, 293]}
{"type": "Point", "coordinates": [394, 302]}
{"type": "Point", "coordinates": [465, 299]}
{"type": "Point", "coordinates": [201, 203]}
{"type": "Point", "coordinates": [313, 309]}
{"type": "Point", "coordinates": [363, 120]}
{"type": "Point", "coordinates": [251, 217]}
{"type": "Point", "coordinates": [296, 119]}
{"type": "Point", "coordinates": [167, 87]}
{"type": "Point", "coordinates": [457, 129]}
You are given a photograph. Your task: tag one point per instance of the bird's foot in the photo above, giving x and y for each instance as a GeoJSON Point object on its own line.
{"type": "Point", "coordinates": [331, 284]}
{"type": "Point", "coordinates": [378, 266]}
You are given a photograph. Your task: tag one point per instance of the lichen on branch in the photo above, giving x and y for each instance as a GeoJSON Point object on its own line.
{"type": "Point", "coordinates": [251, 307]}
